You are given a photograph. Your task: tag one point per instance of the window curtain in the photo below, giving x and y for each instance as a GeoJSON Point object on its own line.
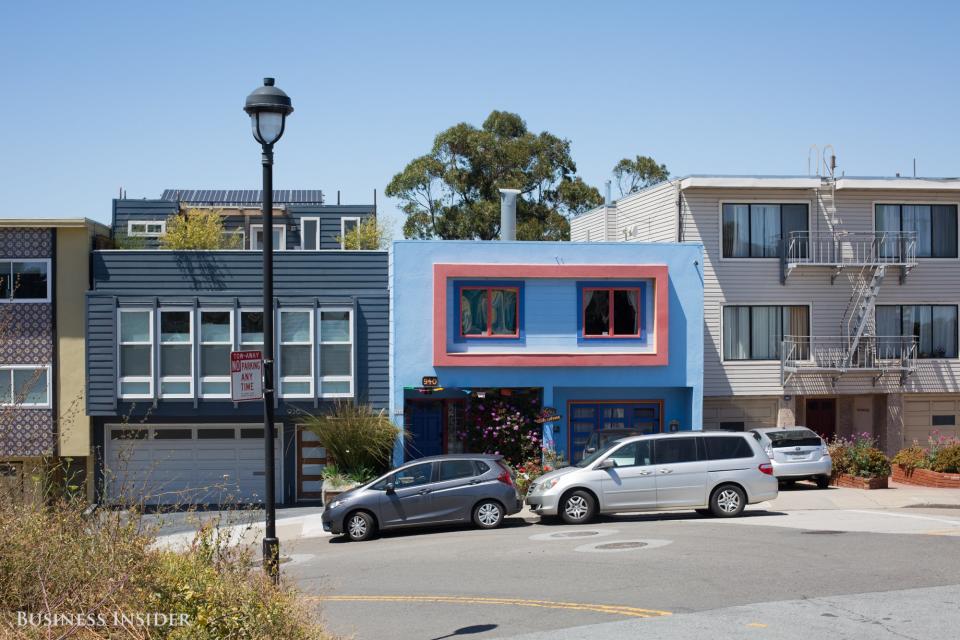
{"type": "Point", "coordinates": [917, 218]}
{"type": "Point", "coordinates": [887, 219]}
{"type": "Point", "coordinates": [736, 333]}
{"type": "Point", "coordinates": [625, 316]}
{"type": "Point", "coordinates": [796, 323]}
{"type": "Point", "coordinates": [766, 332]}
{"type": "Point", "coordinates": [504, 303]}
{"type": "Point", "coordinates": [764, 230]}
{"type": "Point", "coordinates": [596, 314]}
{"type": "Point", "coordinates": [736, 230]}
{"type": "Point", "coordinates": [473, 311]}
{"type": "Point", "coordinates": [944, 331]}
{"type": "Point", "coordinates": [943, 244]}
{"type": "Point", "coordinates": [888, 331]}
{"type": "Point", "coordinates": [917, 322]}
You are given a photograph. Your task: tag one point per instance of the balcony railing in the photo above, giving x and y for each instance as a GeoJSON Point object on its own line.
{"type": "Point", "coordinates": [849, 249]}
{"type": "Point", "coordinates": [838, 355]}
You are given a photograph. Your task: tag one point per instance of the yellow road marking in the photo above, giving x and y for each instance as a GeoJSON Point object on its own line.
{"type": "Point", "coordinates": [757, 625]}
{"type": "Point", "coordinates": [613, 609]}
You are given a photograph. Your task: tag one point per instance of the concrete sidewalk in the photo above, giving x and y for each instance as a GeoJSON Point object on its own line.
{"type": "Point", "coordinates": [803, 496]}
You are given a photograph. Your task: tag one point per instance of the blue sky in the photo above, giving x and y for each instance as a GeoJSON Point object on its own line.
{"type": "Point", "coordinates": [149, 96]}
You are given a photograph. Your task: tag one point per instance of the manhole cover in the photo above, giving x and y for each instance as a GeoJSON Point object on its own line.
{"type": "Point", "coordinates": [822, 532]}
{"type": "Point", "coordinates": [574, 534]}
{"type": "Point", "coordinates": [621, 545]}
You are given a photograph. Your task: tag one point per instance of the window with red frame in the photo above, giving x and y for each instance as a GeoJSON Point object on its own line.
{"type": "Point", "coordinates": [487, 312]}
{"type": "Point", "coordinates": [611, 313]}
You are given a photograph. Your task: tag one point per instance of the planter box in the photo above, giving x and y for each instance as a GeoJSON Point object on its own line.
{"type": "Point", "coordinates": [926, 478]}
{"type": "Point", "coordinates": [856, 482]}
{"type": "Point", "coordinates": [330, 492]}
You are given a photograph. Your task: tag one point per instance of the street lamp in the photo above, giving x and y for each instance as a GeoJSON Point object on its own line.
{"type": "Point", "coordinates": [268, 108]}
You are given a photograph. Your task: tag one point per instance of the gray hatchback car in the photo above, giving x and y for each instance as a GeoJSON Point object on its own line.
{"type": "Point", "coordinates": [446, 489]}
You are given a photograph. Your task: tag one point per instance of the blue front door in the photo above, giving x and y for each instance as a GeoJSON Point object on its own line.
{"type": "Point", "coordinates": [618, 417]}
{"type": "Point", "coordinates": [425, 430]}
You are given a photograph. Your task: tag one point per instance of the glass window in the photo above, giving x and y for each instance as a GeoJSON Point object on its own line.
{"type": "Point", "coordinates": [793, 438]}
{"type": "Point", "coordinates": [296, 353]}
{"type": "Point", "coordinates": [933, 326]}
{"type": "Point", "coordinates": [482, 467]}
{"type": "Point", "coordinates": [336, 353]}
{"type": "Point", "coordinates": [279, 237]}
{"type": "Point", "coordinates": [216, 434]}
{"type": "Point", "coordinates": [251, 329]}
{"type": "Point", "coordinates": [176, 353]}
{"type": "Point", "coordinates": [309, 234]}
{"type": "Point", "coordinates": [935, 227]}
{"type": "Point", "coordinates": [633, 454]}
{"type": "Point", "coordinates": [136, 353]}
{"type": "Point", "coordinates": [412, 476]}
{"type": "Point", "coordinates": [489, 311]}
{"type": "Point", "coordinates": [756, 332]}
{"type": "Point", "coordinates": [675, 450]}
{"type": "Point", "coordinates": [346, 226]}
{"type": "Point", "coordinates": [24, 280]}
{"type": "Point", "coordinates": [148, 228]}
{"type": "Point", "coordinates": [454, 469]}
{"type": "Point", "coordinates": [756, 230]}
{"type": "Point", "coordinates": [216, 342]}
{"type": "Point", "coordinates": [611, 312]}
{"type": "Point", "coordinates": [25, 386]}
{"type": "Point", "coordinates": [719, 448]}
{"type": "Point", "coordinates": [173, 434]}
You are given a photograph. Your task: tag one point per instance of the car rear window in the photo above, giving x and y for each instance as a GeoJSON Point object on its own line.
{"type": "Point", "coordinates": [727, 448]}
{"type": "Point", "coordinates": [794, 438]}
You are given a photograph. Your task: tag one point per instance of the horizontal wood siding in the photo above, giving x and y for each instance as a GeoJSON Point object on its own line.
{"type": "Point", "coordinates": [649, 215]}
{"type": "Point", "coordinates": [330, 217]}
{"type": "Point", "coordinates": [141, 211]}
{"type": "Point", "coordinates": [589, 227]}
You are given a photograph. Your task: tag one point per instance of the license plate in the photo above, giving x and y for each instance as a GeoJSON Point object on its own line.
{"type": "Point", "coordinates": [798, 455]}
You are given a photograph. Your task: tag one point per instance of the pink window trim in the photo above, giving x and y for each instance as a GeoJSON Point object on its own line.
{"type": "Point", "coordinates": [443, 273]}
{"type": "Point", "coordinates": [610, 333]}
{"type": "Point", "coordinates": [516, 304]}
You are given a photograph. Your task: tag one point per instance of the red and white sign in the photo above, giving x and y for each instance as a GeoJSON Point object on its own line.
{"type": "Point", "coordinates": [246, 375]}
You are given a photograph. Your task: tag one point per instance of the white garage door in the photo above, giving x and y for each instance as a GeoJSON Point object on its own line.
{"type": "Point", "coordinates": [739, 413]}
{"type": "Point", "coordinates": [188, 464]}
{"type": "Point", "coordinates": [924, 413]}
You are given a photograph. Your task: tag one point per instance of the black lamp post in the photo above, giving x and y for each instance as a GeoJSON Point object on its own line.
{"type": "Point", "coordinates": [268, 108]}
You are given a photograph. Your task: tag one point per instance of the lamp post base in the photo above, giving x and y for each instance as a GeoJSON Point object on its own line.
{"type": "Point", "coordinates": [271, 558]}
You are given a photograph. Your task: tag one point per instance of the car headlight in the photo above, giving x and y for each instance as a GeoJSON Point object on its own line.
{"type": "Point", "coordinates": [547, 484]}
{"type": "Point", "coordinates": [335, 504]}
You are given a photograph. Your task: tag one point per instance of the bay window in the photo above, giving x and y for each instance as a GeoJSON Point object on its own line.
{"type": "Point", "coordinates": [216, 342]}
{"type": "Point", "coordinates": [935, 226]}
{"type": "Point", "coordinates": [176, 353]}
{"type": "Point", "coordinates": [135, 353]}
{"type": "Point", "coordinates": [336, 353]}
{"type": "Point", "coordinates": [933, 325]}
{"type": "Point", "coordinates": [756, 332]}
{"type": "Point", "coordinates": [755, 230]}
{"type": "Point", "coordinates": [296, 353]}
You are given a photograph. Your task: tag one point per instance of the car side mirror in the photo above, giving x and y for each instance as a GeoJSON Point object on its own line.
{"type": "Point", "coordinates": [607, 463]}
{"type": "Point", "coordinates": [591, 449]}
{"type": "Point", "coordinates": [390, 488]}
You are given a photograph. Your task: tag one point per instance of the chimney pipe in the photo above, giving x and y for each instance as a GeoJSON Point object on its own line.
{"type": "Point", "coordinates": [508, 214]}
{"type": "Point", "coordinates": [608, 200]}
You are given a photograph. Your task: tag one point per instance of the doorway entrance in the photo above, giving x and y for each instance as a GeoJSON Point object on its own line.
{"type": "Point", "coordinates": [822, 416]}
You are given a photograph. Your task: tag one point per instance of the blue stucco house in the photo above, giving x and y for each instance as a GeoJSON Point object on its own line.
{"type": "Point", "coordinates": [601, 335]}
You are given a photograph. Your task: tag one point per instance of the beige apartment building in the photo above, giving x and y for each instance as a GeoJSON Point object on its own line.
{"type": "Point", "coordinates": [828, 302]}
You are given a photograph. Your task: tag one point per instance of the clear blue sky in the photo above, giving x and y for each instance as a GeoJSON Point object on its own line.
{"type": "Point", "coordinates": [148, 96]}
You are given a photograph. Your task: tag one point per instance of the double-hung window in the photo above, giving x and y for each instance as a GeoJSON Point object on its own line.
{"type": "Point", "coordinates": [216, 341]}
{"type": "Point", "coordinates": [176, 353]}
{"type": "Point", "coordinates": [309, 234]}
{"type": "Point", "coordinates": [934, 326]}
{"type": "Point", "coordinates": [296, 353]}
{"type": "Point", "coordinates": [756, 332]}
{"type": "Point", "coordinates": [611, 313]}
{"type": "Point", "coordinates": [136, 353]}
{"type": "Point", "coordinates": [251, 330]}
{"type": "Point", "coordinates": [25, 386]}
{"type": "Point", "coordinates": [935, 226]}
{"type": "Point", "coordinates": [146, 228]}
{"type": "Point", "coordinates": [336, 353]}
{"type": "Point", "coordinates": [347, 225]}
{"type": "Point", "coordinates": [753, 230]}
{"type": "Point", "coordinates": [279, 237]}
{"type": "Point", "coordinates": [25, 280]}
{"type": "Point", "coordinates": [489, 312]}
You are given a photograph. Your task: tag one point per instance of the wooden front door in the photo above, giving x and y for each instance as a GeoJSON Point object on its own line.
{"type": "Point", "coordinates": [822, 416]}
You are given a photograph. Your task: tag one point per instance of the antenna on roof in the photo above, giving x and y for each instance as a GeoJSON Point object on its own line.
{"type": "Point", "coordinates": [829, 162]}
{"type": "Point", "coordinates": [374, 202]}
{"type": "Point", "coordinates": [813, 153]}
{"type": "Point", "coordinates": [914, 167]}
{"type": "Point", "coordinates": [338, 197]}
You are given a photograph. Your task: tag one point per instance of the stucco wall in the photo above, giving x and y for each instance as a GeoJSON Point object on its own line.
{"type": "Point", "coordinates": [72, 279]}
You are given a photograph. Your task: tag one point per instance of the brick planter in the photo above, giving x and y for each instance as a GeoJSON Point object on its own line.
{"type": "Point", "coordinates": [856, 482]}
{"type": "Point", "coordinates": [926, 478]}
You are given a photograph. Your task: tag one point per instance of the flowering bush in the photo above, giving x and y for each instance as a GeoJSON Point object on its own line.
{"type": "Point", "coordinates": [529, 471]}
{"type": "Point", "coordinates": [941, 454]}
{"type": "Point", "coordinates": [504, 425]}
{"type": "Point", "coordinates": [858, 456]}
{"type": "Point", "coordinates": [915, 457]}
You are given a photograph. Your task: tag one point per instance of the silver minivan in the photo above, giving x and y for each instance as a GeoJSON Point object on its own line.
{"type": "Point", "coordinates": [711, 472]}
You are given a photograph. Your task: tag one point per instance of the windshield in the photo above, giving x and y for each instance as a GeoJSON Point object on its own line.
{"type": "Point", "coordinates": [793, 438]}
{"type": "Point", "coordinates": [602, 451]}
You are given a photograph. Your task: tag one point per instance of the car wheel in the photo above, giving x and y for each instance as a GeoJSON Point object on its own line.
{"type": "Point", "coordinates": [728, 501]}
{"type": "Point", "coordinates": [823, 482]}
{"type": "Point", "coordinates": [488, 514]}
{"type": "Point", "coordinates": [360, 526]}
{"type": "Point", "coordinates": [578, 507]}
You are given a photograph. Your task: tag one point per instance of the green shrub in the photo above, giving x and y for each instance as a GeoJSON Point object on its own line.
{"type": "Point", "coordinates": [915, 457]}
{"type": "Point", "coordinates": [840, 455]}
{"type": "Point", "coordinates": [358, 438]}
{"type": "Point", "coordinates": [869, 463]}
{"type": "Point", "coordinates": [947, 459]}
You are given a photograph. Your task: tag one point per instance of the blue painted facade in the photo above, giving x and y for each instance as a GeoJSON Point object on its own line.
{"type": "Point", "coordinates": [661, 391]}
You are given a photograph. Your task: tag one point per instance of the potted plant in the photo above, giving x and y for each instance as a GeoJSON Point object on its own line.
{"type": "Point", "coordinates": [858, 463]}
{"type": "Point", "coordinates": [359, 442]}
{"type": "Point", "coordinates": [937, 465]}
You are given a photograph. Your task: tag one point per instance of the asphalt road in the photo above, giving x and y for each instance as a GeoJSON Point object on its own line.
{"type": "Point", "coordinates": [771, 574]}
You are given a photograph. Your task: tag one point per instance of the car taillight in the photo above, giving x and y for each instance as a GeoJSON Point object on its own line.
{"type": "Point", "coordinates": [766, 468]}
{"type": "Point", "coordinates": [504, 476]}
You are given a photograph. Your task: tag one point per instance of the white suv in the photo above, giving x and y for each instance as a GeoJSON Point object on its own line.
{"type": "Point", "coordinates": [797, 453]}
{"type": "Point", "coordinates": [713, 473]}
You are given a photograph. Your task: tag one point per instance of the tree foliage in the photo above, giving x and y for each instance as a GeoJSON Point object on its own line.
{"type": "Point", "coordinates": [452, 192]}
{"type": "Point", "coordinates": [371, 234]}
{"type": "Point", "coordinates": [639, 173]}
{"type": "Point", "coordinates": [198, 229]}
